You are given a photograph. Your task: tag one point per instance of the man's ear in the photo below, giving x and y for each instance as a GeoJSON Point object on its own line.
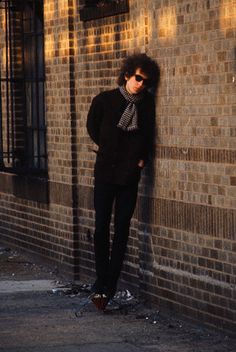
{"type": "Point", "coordinates": [127, 76]}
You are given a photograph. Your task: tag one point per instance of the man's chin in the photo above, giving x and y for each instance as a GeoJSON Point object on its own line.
{"type": "Point", "coordinates": [136, 91]}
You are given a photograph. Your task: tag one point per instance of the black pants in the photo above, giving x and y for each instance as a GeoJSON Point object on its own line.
{"type": "Point", "coordinates": [109, 265]}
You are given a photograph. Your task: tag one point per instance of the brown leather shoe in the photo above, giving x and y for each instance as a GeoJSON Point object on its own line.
{"type": "Point", "coordinates": [100, 301]}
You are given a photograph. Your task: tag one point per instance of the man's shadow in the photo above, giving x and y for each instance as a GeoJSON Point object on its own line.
{"type": "Point", "coordinates": [146, 214]}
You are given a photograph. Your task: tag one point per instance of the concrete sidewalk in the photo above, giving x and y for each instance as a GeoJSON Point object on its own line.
{"type": "Point", "coordinates": [36, 316]}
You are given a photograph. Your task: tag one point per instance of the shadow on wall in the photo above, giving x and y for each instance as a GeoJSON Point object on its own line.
{"type": "Point", "coordinates": [235, 63]}
{"type": "Point", "coordinates": [146, 214]}
{"type": "Point", "coordinates": [217, 17]}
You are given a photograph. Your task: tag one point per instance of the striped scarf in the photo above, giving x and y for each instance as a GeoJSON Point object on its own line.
{"type": "Point", "coordinates": [129, 118]}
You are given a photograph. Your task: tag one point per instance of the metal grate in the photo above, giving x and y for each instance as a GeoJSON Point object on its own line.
{"type": "Point", "coordinates": [22, 116]}
{"type": "Point", "coordinates": [94, 9]}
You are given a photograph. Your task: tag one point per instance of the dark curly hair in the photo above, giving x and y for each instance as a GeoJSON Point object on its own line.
{"type": "Point", "coordinates": [147, 66]}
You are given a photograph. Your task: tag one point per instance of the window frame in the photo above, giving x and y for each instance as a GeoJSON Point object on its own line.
{"type": "Point", "coordinates": [28, 159]}
{"type": "Point", "coordinates": [97, 9]}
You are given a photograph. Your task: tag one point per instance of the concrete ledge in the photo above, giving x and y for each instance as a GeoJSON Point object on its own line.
{"type": "Point", "coordinates": [25, 186]}
{"type": "Point", "coordinates": [26, 286]}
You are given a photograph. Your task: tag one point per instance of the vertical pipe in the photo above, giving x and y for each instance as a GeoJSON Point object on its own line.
{"type": "Point", "coordinates": [24, 102]}
{"type": "Point", "coordinates": [1, 120]}
{"type": "Point", "coordinates": [36, 79]}
{"type": "Point", "coordinates": [7, 80]}
{"type": "Point", "coordinates": [12, 93]}
{"type": "Point", "coordinates": [1, 126]}
{"type": "Point", "coordinates": [43, 80]}
{"type": "Point", "coordinates": [30, 79]}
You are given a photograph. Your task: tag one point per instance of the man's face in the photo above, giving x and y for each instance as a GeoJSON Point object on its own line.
{"type": "Point", "coordinates": [136, 83]}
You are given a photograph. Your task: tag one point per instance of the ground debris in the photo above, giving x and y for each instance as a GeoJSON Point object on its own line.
{"type": "Point", "coordinates": [152, 317]}
{"type": "Point", "coordinates": [69, 314]}
{"type": "Point", "coordinates": [72, 289]}
{"type": "Point", "coordinates": [17, 265]}
{"type": "Point", "coordinates": [4, 250]}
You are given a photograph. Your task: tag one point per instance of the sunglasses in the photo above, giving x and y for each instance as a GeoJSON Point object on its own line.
{"type": "Point", "coordinates": [139, 78]}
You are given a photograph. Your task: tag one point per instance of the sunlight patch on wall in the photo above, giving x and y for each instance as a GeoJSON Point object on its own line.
{"type": "Point", "coordinates": [63, 5]}
{"type": "Point", "coordinates": [227, 14]}
{"type": "Point", "coordinates": [63, 43]}
{"type": "Point", "coordinates": [2, 40]}
{"type": "Point", "coordinates": [49, 46]}
{"type": "Point", "coordinates": [166, 22]}
{"type": "Point", "coordinates": [49, 10]}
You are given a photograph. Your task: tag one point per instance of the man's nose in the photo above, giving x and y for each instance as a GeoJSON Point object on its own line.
{"type": "Point", "coordinates": [140, 83]}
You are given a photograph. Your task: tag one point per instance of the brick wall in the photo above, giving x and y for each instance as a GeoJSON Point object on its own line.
{"type": "Point", "coordinates": [182, 245]}
{"type": "Point", "coordinates": [182, 252]}
{"type": "Point", "coordinates": [191, 225]}
{"type": "Point", "coordinates": [37, 214]}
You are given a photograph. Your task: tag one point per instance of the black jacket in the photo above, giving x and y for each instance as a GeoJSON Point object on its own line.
{"type": "Point", "coordinates": [120, 151]}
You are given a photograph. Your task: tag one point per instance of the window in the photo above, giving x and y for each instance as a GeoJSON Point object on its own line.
{"type": "Point", "coordinates": [22, 116]}
{"type": "Point", "coordinates": [94, 9]}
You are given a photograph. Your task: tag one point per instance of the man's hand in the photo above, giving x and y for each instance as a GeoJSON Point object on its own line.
{"type": "Point", "coordinates": [141, 163]}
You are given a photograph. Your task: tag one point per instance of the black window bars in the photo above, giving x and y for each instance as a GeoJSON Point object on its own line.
{"type": "Point", "coordinates": [95, 9]}
{"type": "Point", "coordinates": [22, 77]}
